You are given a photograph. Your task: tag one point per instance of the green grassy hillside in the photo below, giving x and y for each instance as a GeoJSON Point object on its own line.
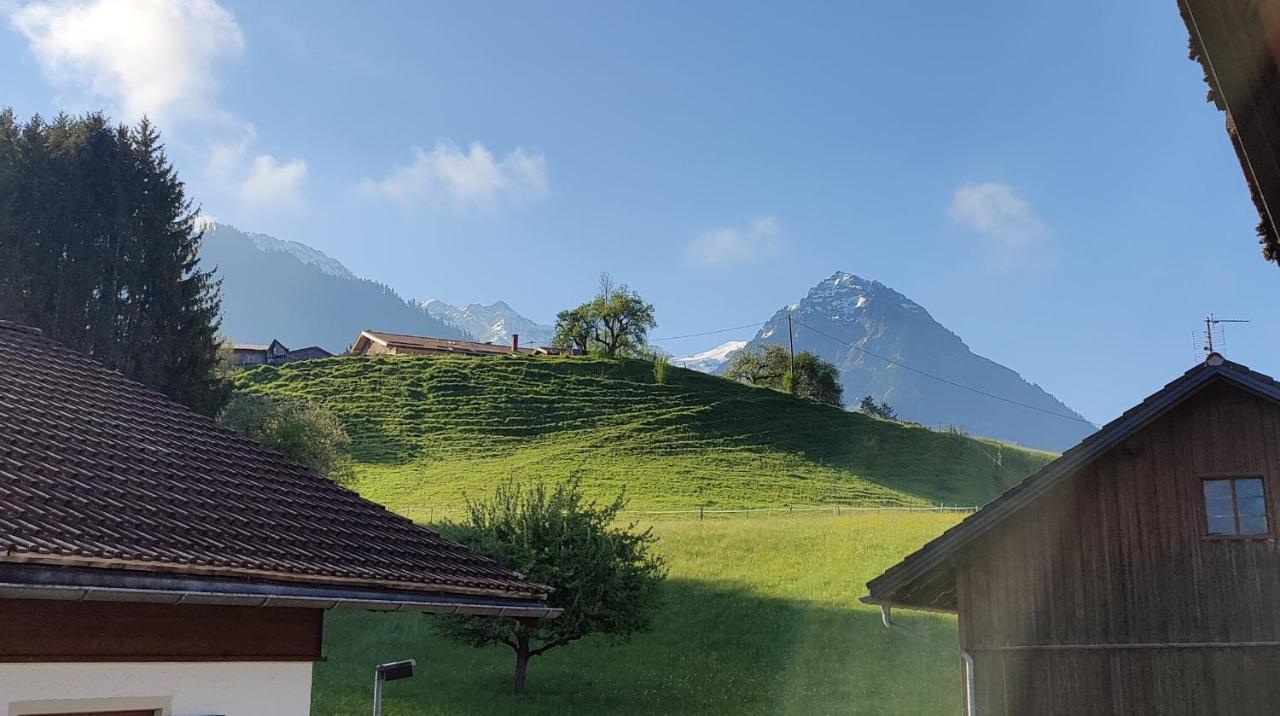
{"type": "Point", "coordinates": [760, 617]}
{"type": "Point", "coordinates": [427, 430]}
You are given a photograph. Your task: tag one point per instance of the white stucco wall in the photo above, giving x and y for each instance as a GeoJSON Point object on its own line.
{"type": "Point", "coordinates": [190, 689]}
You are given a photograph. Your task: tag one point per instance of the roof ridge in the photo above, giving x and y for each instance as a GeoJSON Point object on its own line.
{"type": "Point", "coordinates": [21, 328]}
{"type": "Point", "coordinates": [1033, 486]}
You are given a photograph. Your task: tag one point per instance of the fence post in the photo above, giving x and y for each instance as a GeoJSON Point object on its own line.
{"type": "Point", "coordinates": [791, 509]}
{"type": "Point", "coordinates": [699, 513]}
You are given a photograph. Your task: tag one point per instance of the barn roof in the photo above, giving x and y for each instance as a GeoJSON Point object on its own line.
{"type": "Point", "coordinates": [926, 579]}
{"type": "Point", "coordinates": [445, 345]}
{"type": "Point", "coordinates": [99, 473]}
{"type": "Point", "coordinates": [1237, 43]}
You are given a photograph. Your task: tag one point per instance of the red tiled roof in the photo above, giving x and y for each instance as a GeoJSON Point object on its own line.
{"type": "Point", "coordinates": [98, 471]}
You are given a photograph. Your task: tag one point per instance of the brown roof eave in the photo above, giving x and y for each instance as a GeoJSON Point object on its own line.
{"type": "Point", "coordinates": [936, 555]}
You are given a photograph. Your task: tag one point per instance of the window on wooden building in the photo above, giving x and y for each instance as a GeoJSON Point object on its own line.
{"type": "Point", "coordinates": [1235, 506]}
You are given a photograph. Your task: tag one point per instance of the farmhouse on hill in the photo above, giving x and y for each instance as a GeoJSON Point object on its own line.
{"type": "Point", "coordinates": [376, 343]}
{"type": "Point", "coordinates": [273, 353]}
{"type": "Point", "coordinates": [152, 562]}
{"type": "Point", "coordinates": [1137, 573]}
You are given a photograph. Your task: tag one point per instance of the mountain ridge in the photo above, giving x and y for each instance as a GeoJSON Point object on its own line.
{"type": "Point", "coordinates": [494, 323]}
{"type": "Point", "coordinates": [272, 288]}
{"type": "Point", "coordinates": [849, 320]}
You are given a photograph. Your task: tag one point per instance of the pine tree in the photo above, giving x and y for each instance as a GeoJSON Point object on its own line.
{"type": "Point", "coordinates": [99, 248]}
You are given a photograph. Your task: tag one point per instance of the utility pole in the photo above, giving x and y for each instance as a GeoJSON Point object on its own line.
{"type": "Point", "coordinates": [791, 349]}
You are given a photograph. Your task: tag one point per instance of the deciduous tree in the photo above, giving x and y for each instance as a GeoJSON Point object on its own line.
{"type": "Point", "coordinates": [606, 578]}
{"type": "Point", "coordinates": [302, 431]}
{"type": "Point", "coordinates": [615, 323]}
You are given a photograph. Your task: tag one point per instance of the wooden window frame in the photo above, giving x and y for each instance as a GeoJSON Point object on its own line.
{"type": "Point", "coordinates": [1235, 508]}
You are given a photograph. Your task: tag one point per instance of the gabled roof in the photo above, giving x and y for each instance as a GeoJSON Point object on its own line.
{"type": "Point", "coordinates": [444, 345]}
{"type": "Point", "coordinates": [99, 473]}
{"type": "Point", "coordinates": [925, 579]}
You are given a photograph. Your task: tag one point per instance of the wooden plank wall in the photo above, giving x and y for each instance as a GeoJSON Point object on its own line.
{"type": "Point", "coordinates": [1118, 555]}
{"type": "Point", "coordinates": [38, 630]}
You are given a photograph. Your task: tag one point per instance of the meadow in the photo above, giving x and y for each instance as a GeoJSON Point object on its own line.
{"type": "Point", "coordinates": [427, 431]}
{"type": "Point", "coordinates": [761, 616]}
{"type": "Point", "coordinates": [761, 612]}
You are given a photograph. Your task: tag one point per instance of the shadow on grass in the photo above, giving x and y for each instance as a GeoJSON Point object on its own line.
{"type": "Point", "coordinates": [713, 649]}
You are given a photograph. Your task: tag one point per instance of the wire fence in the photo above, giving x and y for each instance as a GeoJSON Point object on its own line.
{"type": "Point", "coordinates": [702, 513]}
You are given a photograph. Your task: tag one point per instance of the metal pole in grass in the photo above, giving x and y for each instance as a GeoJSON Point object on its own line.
{"type": "Point", "coordinates": [383, 673]}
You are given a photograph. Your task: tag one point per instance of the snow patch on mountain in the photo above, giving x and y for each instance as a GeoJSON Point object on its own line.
{"type": "Point", "coordinates": [870, 331]}
{"type": "Point", "coordinates": [300, 251]}
{"type": "Point", "coordinates": [710, 361]}
{"type": "Point", "coordinates": [494, 323]}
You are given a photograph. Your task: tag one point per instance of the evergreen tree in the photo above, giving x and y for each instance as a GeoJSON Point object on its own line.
{"type": "Point", "coordinates": [99, 248]}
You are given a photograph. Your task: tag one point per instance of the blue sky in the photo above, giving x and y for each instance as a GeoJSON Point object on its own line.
{"type": "Point", "coordinates": [1045, 178]}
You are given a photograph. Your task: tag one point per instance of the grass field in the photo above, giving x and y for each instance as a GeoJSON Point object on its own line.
{"type": "Point", "coordinates": [427, 430]}
{"type": "Point", "coordinates": [761, 617]}
{"type": "Point", "coordinates": [761, 613]}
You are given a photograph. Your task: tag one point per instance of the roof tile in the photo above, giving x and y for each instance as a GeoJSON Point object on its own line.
{"type": "Point", "coordinates": [96, 467]}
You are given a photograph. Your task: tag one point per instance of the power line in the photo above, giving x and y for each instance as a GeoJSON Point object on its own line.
{"type": "Point", "coordinates": [707, 333]}
{"type": "Point", "coordinates": [953, 383]}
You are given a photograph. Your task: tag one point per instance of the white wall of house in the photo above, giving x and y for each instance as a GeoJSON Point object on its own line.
{"type": "Point", "coordinates": [179, 689]}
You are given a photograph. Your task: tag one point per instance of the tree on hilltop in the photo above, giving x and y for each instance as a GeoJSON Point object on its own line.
{"type": "Point", "coordinates": [614, 323]}
{"type": "Point", "coordinates": [771, 367]}
{"type": "Point", "coordinates": [869, 406]}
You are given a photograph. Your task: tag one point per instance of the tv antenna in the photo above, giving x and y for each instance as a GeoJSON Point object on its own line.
{"type": "Point", "coordinates": [1211, 324]}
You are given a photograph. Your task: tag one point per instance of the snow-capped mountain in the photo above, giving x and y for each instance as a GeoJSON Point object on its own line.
{"type": "Point", "coordinates": [290, 291]}
{"type": "Point", "coordinates": [493, 323]}
{"type": "Point", "coordinates": [303, 253]}
{"type": "Point", "coordinates": [845, 315]}
{"type": "Point", "coordinates": [712, 360]}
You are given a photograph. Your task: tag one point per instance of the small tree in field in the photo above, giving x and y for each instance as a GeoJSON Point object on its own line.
{"type": "Point", "coordinates": [606, 578]}
{"type": "Point", "coordinates": [661, 368]}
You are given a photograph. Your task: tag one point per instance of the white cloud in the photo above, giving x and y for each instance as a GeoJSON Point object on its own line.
{"type": "Point", "coordinates": [1013, 232]}
{"type": "Point", "coordinates": [154, 57]}
{"type": "Point", "coordinates": [258, 182]}
{"type": "Point", "coordinates": [274, 183]}
{"type": "Point", "coordinates": [759, 240]}
{"type": "Point", "coordinates": [160, 58]}
{"type": "Point", "coordinates": [446, 175]}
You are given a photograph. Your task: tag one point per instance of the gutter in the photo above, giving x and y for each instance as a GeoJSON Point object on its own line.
{"type": "Point", "coordinates": [970, 700]}
{"type": "Point", "coordinates": [38, 582]}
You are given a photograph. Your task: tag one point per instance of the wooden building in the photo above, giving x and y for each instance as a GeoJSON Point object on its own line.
{"type": "Point", "coordinates": [376, 343]}
{"type": "Point", "coordinates": [152, 562]}
{"type": "Point", "coordinates": [1237, 42]}
{"type": "Point", "coordinates": [1137, 573]}
{"type": "Point", "coordinates": [248, 355]}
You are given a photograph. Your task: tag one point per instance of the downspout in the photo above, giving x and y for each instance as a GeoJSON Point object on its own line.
{"type": "Point", "coordinates": [970, 700]}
